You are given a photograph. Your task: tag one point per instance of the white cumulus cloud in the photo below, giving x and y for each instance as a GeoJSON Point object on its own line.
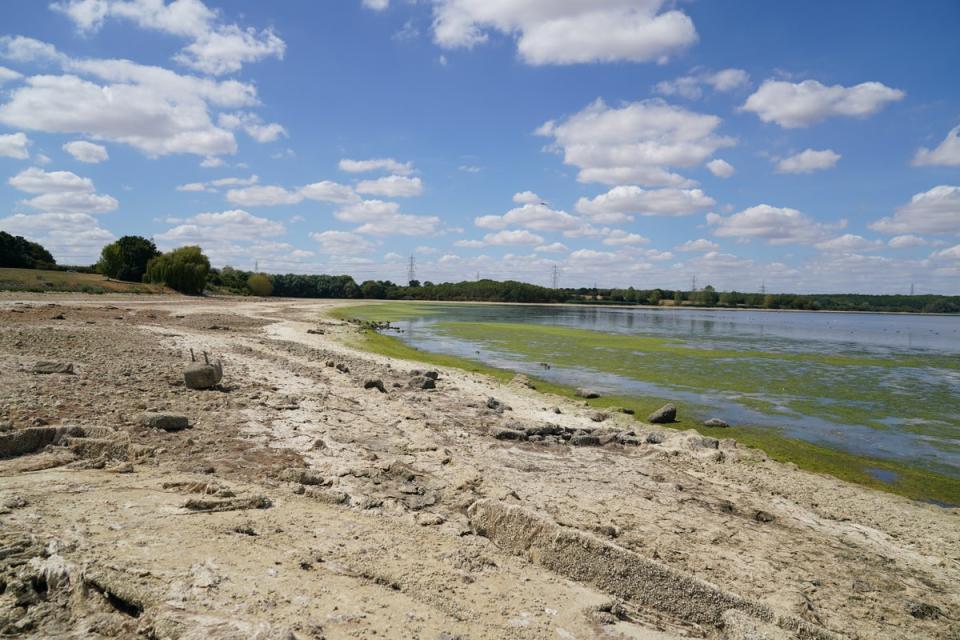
{"type": "Point", "coordinates": [215, 48]}
{"type": "Point", "coordinates": [849, 243]}
{"type": "Point", "coordinates": [86, 151]}
{"type": "Point", "coordinates": [552, 32]}
{"type": "Point", "coordinates": [636, 143]}
{"type": "Point", "coordinates": [793, 105]}
{"type": "Point", "coordinates": [61, 192]}
{"type": "Point", "coordinates": [621, 203]}
{"type": "Point", "coordinates": [947, 153]}
{"type": "Point", "coordinates": [513, 237]}
{"type": "Point", "coordinates": [391, 187]}
{"type": "Point", "coordinates": [808, 161]}
{"type": "Point", "coordinates": [376, 164]}
{"type": "Point", "coordinates": [15, 145]}
{"type": "Point", "coordinates": [700, 245]}
{"type": "Point", "coordinates": [776, 225]}
{"type": "Point", "coordinates": [933, 211]}
{"type": "Point", "coordinates": [720, 168]}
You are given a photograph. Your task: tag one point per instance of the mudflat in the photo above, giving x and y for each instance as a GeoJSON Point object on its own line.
{"type": "Point", "coordinates": [320, 491]}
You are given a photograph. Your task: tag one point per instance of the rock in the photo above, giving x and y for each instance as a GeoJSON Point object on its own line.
{"type": "Point", "coordinates": [496, 405]}
{"type": "Point", "coordinates": [503, 433]}
{"type": "Point", "coordinates": [49, 366]}
{"type": "Point", "coordinates": [202, 376]}
{"type": "Point", "coordinates": [923, 611]}
{"type": "Point", "coordinates": [585, 440]}
{"type": "Point", "coordinates": [421, 382]}
{"type": "Point", "coordinates": [543, 430]}
{"type": "Point", "coordinates": [587, 393]}
{"type": "Point", "coordinates": [557, 410]}
{"type": "Point", "coordinates": [165, 421]}
{"type": "Point", "coordinates": [655, 438]}
{"type": "Point", "coordinates": [310, 477]}
{"type": "Point", "coordinates": [598, 416]}
{"type": "Point", "coordinates": [666, 413]}
{"type": "Point", "coordinates": [425, 519]}
{"type": "Point", "coordinates": [342, 368]}
{"type": "Point", "coordinates": [433, 375]}
{"type": "Point", "coordinates": [710, 443]}
{"type": "Point", "coordinates": [716, 422]}
{"type": "Point", "coordinates": [374, 383]}
{"type": "Point", "coordinates": [763, 516]}
{"type": "Point", "coordinates": [627, 410]}
{"type": "Point", "coordinates": [5, 425]}
{"type": "Point", "coordinates": [316, 332]}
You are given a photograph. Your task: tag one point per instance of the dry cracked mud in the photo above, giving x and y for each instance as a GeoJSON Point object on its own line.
{"type": "Point", "coordinates": [304, 502]}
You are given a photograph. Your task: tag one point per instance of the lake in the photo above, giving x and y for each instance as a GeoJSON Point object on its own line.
{"type": "Point", "coordinates": [879, 385]}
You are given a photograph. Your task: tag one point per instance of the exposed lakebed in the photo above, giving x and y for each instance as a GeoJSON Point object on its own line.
{"type": "Point", "coordinates": [882, 386]}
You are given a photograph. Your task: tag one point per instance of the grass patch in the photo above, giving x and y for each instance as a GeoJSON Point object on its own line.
{"type": "Point", "coordinates": [919, 484]}
{"type": "Point", "coordinates": [41, 280]}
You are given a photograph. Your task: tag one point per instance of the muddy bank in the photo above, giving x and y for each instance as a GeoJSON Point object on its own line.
{"type": "Point", "coordinates": [303, 500]}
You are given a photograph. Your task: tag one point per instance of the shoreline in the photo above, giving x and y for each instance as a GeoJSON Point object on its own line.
{"type": "Point", "coordinates": [912, 481]}
{"type": "Point", "coordinates": [303, 501]}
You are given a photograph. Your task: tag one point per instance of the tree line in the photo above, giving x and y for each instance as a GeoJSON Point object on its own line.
{"type": "Point", "coordinates": [188, 270]}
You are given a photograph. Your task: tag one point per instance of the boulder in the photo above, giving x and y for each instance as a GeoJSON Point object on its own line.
{"type": "Point", "coordinates": [374, 383]}
{"type": "Point", "coordinates": [587, 393]}
{"type": "Point", "coordinates": [496, 405]}
{"type": "Point", "coordinates": [655, 438]}
{"type": "Point", "coordinates": [165, 421]}
{"type": "Point", "coordinates": [585, 440]}
{"type": "Point", "coordinates": [433, 375]}
{"type": "Point", "coordinates": [202, 376]}
{"type": "Point", "coordinates": [666, 413]}
{"type": "Point", "coordinates": [503, 433]}
{"type": "Point", "coordinates": [49, 366]}
{"type": "Point", "coordinates": [421, 382]}
{"type": "Point", "coordinates": [599, 416]}
{"type": "Point", "coordinates": [716, 422]}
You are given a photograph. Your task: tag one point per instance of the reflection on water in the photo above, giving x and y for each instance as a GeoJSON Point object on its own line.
{"type": "Point", "coordinates": [883, 412]}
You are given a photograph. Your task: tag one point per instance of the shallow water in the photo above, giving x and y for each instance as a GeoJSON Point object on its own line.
{"type": "Point", "coordinates": [886, 386]}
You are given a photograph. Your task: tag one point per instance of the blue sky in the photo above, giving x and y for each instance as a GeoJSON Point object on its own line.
{"type": "Point", "coordinates": [808, 146]}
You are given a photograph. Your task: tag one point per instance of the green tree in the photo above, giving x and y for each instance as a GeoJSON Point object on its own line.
{"type": "Point", "coordinates": [18, 252]}
{"type": "Point", "coordinates": [260, 285]}
{"type": "Point", "coordinates": [184, 270]}
{"type": "Point", "coordinates": [373, 289]}
{"type": "Point", "coordinates": [127, 258]}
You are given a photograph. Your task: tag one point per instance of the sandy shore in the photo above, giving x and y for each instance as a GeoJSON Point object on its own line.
{"type": "Point", "coordinates": [300, 504]}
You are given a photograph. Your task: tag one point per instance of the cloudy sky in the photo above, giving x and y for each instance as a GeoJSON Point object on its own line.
{"type": "Point", "coordinates": [810, 146]}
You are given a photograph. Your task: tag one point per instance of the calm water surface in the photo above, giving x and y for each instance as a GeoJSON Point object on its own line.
{"type": "Point", "coordinates": [909, 413]}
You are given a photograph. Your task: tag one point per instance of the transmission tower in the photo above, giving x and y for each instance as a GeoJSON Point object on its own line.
{"type": "Point", "coordinates": [693, 283]}
{"type": "Point", "coordinates": [911, 288]}
{"type": "Point", "coordinates": [412, 270]}
{"type": "Point", "coordinates": [763, 287]}
{"type": "Point", "coordinates": [556, 276]}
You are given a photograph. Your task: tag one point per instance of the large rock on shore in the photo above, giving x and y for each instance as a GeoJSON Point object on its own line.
{"type": "Point", "coordinates": [202, 376]}
{"type": "Point", "coordinates": [49, 366]}
{"type": "Point", "coordinates": [665, 414]}
{"type": "Point", "coordinates": [165, 421]}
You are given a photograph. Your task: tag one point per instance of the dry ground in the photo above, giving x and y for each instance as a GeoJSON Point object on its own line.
{"type": "Point", "coordinates": [301, 505]}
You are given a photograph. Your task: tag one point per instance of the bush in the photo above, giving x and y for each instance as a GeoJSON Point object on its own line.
{"type": "Point", "coordinates": [127, 258]}
{"type": "Point", "coordinates": [184, 270]}
{"type": "Point", "coordinates": [18, 252]}
{"type": "Point", "coordinates": [260, 285]}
